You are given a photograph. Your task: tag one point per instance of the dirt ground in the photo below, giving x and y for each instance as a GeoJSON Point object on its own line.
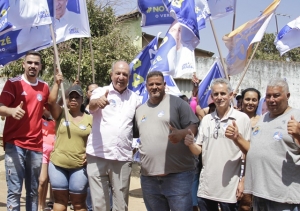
{"type": "Point", "coordinates": [136, 202]}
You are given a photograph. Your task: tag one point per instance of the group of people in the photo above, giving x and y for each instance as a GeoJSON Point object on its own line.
{"type": "Point", "coordinates": [244, 157]}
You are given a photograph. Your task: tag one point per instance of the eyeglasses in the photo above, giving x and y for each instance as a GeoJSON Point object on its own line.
{"type": "Point", "coordinates": [216, 129]}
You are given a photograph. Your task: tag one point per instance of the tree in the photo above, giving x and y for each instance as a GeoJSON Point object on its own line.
{"type": "Point", "coordinates": [267, 51]}
{"type": "Point", "coordinates": [109, 41]}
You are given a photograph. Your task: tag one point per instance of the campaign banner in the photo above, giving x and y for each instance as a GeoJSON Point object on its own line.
{"type": "Point", "coordinates": [173, 57]}
{"type": "Point", "coordinates": [184, 13]}
{"type": "Point", "coordinates": [240, 40]}
{"type": "Point", "coordinates": [5, 25]}
{"type": "Point", "coordinates": [70, 20]}
{"type": "Point", "coordinates": [30, 13]}
{"type": "Point", "coordinates": [154, 13]}
{"type": "Point", "coordinates": [221, 8]}
{"type": "Point", "coordinates": [139, 68]}
{"type": "Point", "coordinates": [288, 37]}
{"type": "Point", "coordinates": [13, 44]}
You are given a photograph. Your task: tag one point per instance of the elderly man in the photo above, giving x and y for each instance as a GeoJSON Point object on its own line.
{"type": "Point", "coordinates": [273, 160]}
{"type": "Point", "coordinates": [109, 150]}
{"type": "Point", "coordinates": [22, 101]}
{"type": "Point", "coordinates": [221, 158]}
{"type": "Point", "coordinates": [167, 164]}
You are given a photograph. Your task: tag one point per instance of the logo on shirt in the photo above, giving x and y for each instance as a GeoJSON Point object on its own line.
{"type": "Point", "coordinates": [161, 113]}
{"type": "Point", "coordinates": [39, 97]}
{"type": "Point", "coordinates": [255, 131]}
{"type": "Point", "coordinates": [112, 102]}
{"type": "Point", "coordinates": [82, 127]}
{"type": "Point", "coordinates": [143, 118]}
{"type": "Point", "coordinates": [24, 93]}
{"type": "Point", "coordinates": [45, 123]}
{"type": "Point", "coordinates": [277, 136]}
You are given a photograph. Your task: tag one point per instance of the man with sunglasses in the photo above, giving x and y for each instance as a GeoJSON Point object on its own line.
{"type": "Point", "coordinates": [220, 181]}
{"type": "Point", "coordinates": [22, 101]}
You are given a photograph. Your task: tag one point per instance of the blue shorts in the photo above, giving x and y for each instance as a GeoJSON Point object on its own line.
{"type": "Point", "coordinates": [74, 180]}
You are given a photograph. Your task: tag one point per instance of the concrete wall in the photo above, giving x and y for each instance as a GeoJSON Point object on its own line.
{"type": "Point", "coordinates": [257, 76]}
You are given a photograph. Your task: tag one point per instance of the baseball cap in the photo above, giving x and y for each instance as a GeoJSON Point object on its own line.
{"type": "Point", "coordinates": [75, 88]}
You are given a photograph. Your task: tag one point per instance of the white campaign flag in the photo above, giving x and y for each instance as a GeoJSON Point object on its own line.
{"type": "Point", "coordinates": [29, 13]}
{"type": "Point", "coordinates": [71, 20]}
{"type": "Point", "coordinates": [221, 8]}
{"type": "Point", "coordinates": [289, 37]}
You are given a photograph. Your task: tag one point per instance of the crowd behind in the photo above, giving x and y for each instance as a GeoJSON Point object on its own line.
{"type": "Point", "coordinates": [231, 155]}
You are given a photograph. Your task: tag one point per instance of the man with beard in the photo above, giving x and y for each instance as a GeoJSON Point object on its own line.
{"type": "Point", "coordinates": [167, 165]}
{"type": "Point", "coordinates": [22, 101]}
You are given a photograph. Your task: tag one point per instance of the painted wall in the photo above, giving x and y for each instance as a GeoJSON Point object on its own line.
{"type": "Point", "coordinates": [257, 76]}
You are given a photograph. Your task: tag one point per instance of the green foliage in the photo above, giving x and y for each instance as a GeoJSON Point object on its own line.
{"type": "Point", "coordinates": [109, 41]}
{"type": "Point", "coordinates": [267, 51]}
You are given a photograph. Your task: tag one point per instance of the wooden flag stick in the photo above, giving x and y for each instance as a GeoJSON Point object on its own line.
{"type": "Point", "coordinates": [218, 46]}
{"type": "Point", "coordinates": [59, 70]}
{"type": "Point", "coordinates": [79, 60]}
{"type": "Point", "coordinates": [246, 68]}
{"type": "Point", "coordinates": [92, 59]}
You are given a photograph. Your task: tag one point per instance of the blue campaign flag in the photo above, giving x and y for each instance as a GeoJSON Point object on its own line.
{"type": "Point", "coordinates": [154, 13]}
{"type": "Point", "coordinates": [202, 11]}
{"type": "Point", "coordinates": [139, 68]}
{"type": "Point", "coordinates": [165, 57]}
{"type": "Point", "coordinates": [181, 11]}
{"type": "Point", "coordinates": [5, 25]}
{"type": "Point", "coordinates": [216, 71]}
{"type": "Point", "coordinates": [14, 44]}
{"type": "Point", "coordinates": [174, 57]}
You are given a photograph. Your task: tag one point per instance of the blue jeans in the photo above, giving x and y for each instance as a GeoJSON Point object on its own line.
{"type": "Point", "coordinates": [210, 205]}
{"type": "Point", "coordinates": [172, 191]}
{"type": "Point", "coordinates": [195, 189]}
{"type": "Point", "coordinates": [74, 180]}
{"type": "Point", "coordinates": [260, 204]}
{"type": "Point", "coordinates": [22, 164]}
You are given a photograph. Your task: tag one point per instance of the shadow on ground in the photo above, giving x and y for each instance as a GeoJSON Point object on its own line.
{"type": "Point", "coordinates": [137, 193]}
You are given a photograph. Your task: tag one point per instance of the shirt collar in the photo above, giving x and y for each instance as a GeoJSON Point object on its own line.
{"type": "Point", "coordinates": [231, 114]}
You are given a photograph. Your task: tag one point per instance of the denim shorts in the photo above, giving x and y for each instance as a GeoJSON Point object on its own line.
{"type": "Point", "coordinates": [74, 180]}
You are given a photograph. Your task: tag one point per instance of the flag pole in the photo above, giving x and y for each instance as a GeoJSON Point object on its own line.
{"type": "Point", "coordinates": [92, 58]}
{"type": "Point", "coordinates": [218, 46]}
{"type": "Point", "coordinates": [234, 14]}
{"type": "Point", "coordinates": [59, 70]}
{"type": "Point", "coordinates": [246, 68]}
{"type": "Point", "coordinates": [80, 55]}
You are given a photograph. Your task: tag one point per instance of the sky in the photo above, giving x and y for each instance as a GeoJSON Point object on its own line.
{"type": "Point", "coordinates": [246, 10]}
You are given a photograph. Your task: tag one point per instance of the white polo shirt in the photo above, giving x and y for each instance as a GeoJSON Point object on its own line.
{"type": "Point", "coordinates": [221, 158]}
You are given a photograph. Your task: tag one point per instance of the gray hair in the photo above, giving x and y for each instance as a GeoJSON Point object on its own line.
{"type": "Point", "coordinates": [279, 82]}
{"type": "Point", "coordinates": [221, 81]}
{"type": "Point", "coordinates": [113, 65]}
